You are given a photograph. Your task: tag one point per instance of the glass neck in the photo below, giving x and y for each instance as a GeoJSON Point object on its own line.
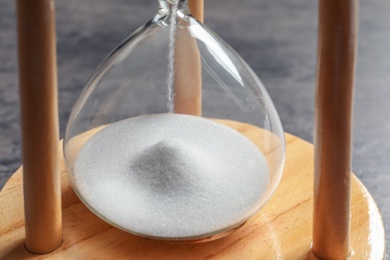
{"type": "Point", "coordinates": [167, 6]}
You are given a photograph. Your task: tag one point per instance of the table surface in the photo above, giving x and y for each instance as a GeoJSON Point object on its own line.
{"type": "Point", "coordinates": [276, 38]}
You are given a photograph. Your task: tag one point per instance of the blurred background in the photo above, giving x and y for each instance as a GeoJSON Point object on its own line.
{"type": "Point", "coordinates": [276, 38]}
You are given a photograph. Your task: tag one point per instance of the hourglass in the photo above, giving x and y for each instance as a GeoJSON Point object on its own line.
{"type": "Point", "coordinates": [155, 144]}
{"type": "Point", "coordinates": [175, 138]}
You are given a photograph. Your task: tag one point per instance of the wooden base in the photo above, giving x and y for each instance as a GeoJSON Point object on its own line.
{"type": "Point", "coordinates": [281, 230]}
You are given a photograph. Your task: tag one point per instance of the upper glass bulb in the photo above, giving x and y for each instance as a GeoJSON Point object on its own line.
{"type": "Point", "coordinates": [174, 137]}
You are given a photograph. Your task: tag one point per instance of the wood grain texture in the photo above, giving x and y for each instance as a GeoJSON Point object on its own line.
{"type": "Point", "coordinates": [281, 230]}
{"type": "Point", "coordinates": [335, 80]}
{"type": "Point", "coordinates": [39, 118]}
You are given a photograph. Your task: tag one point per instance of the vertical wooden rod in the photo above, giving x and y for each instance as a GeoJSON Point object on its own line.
{"type": "Point", "coordinates": [197, 9]}
{"type": "Point", "coordinates": [188, 68]}
{"type": "Point", "coordinates": [335, 80]}
{"type": "Point", "coordinates": [39, 118]}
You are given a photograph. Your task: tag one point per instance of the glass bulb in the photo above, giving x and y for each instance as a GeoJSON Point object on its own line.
{"type": "Point", "coordinates": [174, 136]}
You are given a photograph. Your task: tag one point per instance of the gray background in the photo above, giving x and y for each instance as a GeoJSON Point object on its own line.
{"type": "Point", "coordinates": [276, 37]}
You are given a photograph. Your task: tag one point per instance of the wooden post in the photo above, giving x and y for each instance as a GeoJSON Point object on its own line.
{"type": "Point", "coordinates": [335, 80]}
{"type": "Point", "coordinates": [39, 118]}
{"type": "Point", "coordinates": [188, 68]}
{"type": "Point", "coordinates": [197, 9]}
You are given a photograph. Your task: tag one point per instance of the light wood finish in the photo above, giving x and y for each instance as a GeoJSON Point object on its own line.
{"type": "Point", "coordinates": [281, 230]}
{"type": "Point", "coordinates": [335, 80]}
{"type": "Point", "coordinates": [188, 75]}
{"type": "Point", "coordinates": [197, 9]}
{"type": "Point", "coordinates": [39, 116]}
{"type": "Point", "coordinates": [188, 68]}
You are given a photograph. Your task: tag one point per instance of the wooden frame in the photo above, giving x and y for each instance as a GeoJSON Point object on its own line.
{"type": "Point", "coordinates": [39, 116]}
{"type": "Point", "coordinates": [281, 229]}
{"type": "Point", "coordinates": [335, 81]}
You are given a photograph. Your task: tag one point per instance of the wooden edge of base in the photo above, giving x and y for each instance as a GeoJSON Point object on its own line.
{"type": "Point", "coordinates": [281, 230]}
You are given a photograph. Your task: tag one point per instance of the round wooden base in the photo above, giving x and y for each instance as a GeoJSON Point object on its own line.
{"type": "Point", "coordinates": [281, 230]}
